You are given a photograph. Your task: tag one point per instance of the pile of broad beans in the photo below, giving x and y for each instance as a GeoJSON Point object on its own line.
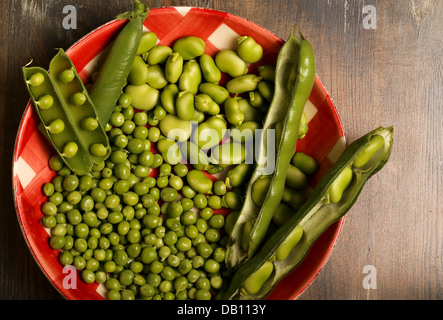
{"type": "Point", "coordinates": [143, 223]}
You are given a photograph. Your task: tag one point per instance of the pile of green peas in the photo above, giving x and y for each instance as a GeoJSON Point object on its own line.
{"type": "Point", "coordinates": [140, 240]}
{"type": "Point", "coordinates": [134, 224]}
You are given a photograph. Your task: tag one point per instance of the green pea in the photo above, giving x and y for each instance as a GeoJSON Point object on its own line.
{"type": "Point", "coordinates": [70, 149]}
{"type": "Point", "coordinates": [185, 105]}
{"type": "Point", "coordinates": [55, 162]}
{"type": "Point", "coordinates": [90, 124]}
{"type": "Point", "coordinates": [242, 84]}
{"type": "Point", "coordinates": [45, 102]}
{"type": "Point", "coordinates": [188, 192]}
{"type": "Point", "coordinates": [125, 100]}
{"type": "Point", "coordinates": [78, 99]}
{"type": "Point", "coordinates": [144, 97]}
{"type": "Point", "coordinates": [375, 144]}
{"type": "Point", "coordinates": [200, 200]}
{"type": "Point", "coordinates": [156, 77]}
{"type": "Point", "coordinates": [220, 188]}
{"type": "Point", "coordinates": [229, 61]}
{"type": "Point", "coordinates": [168, 194]}
{"type": "Point", "coordinates": [56, 126]}
{"type": "Point", "coordinates": [98, 149]}
{"type": "Point", "coordinates": [175, 182]}
{"type": "Point", "coordinates": [191, 77]}
{"type": "Point", "coordinates": [121, 257]}
{"type": "Point", "coordinates": [340, 184]}
{"type": "Point", "coordinates": [67, 76]}
{"type": "Point", "coordinates": [49, 209]}
{"type": "Point", "coordinates": [249, 50]}
{"type": "Point", "coordinates": [255, 282]}
{"type": "Point", "coordinates": [168, 97]}
{"type": "Point", "coordinates": [48, 189]}
{"type": "Point", "coordinates": [184, 244]}
{"type": "Point", "coordinates": [209, 69]}
{"type": "Point", "coordinates": [36, 79]}
{"type": "Point", "coordinates": [140, 118]}
{"type": "Point", "coordinates": [212, 235]}
{"type": "Point", "coordinates": [216, 92]}
{"type": "Point", "coordinates": [189, 47]}
{"type": "Point", "coordinates": [214, 202]}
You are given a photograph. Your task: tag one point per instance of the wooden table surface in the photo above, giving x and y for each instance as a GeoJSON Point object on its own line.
{"type": "Point", "coordinates": [383, 69]}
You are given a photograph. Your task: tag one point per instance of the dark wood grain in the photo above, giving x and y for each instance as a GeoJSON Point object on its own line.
{"type": "Point", "coordinates": [391, 75]}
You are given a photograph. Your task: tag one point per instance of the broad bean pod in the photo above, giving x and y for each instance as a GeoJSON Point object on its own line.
{"type": "Point", "coordinates": [288, 246]}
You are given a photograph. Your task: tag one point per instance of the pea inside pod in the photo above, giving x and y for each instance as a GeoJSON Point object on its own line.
{"type": "Point", "coordinates": [313, 218]}
{"type": "Point", "coordinates": [79, 162]}
{"type": "Point", "coordinates": [96, 140]}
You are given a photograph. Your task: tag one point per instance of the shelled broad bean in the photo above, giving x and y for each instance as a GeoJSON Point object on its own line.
{"type": "Point", "coordinates": [143, 223]}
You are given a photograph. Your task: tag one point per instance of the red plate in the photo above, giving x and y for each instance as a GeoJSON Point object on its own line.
{"type": "Point", "coordinates": [325, 140]}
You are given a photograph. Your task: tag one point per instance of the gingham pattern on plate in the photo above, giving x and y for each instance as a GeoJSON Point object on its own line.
{"type": "Point", "coordinates": [325, 140]}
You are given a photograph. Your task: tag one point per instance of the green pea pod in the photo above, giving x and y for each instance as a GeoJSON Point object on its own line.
{"type": "Point", "coordinates": [313, 218]}
{"type": "Point", "coordinates": [53, 110]}
{"type": "Point", "coordinates": [114, 72]}
{"type": "Point", "coordinates": [79, 106]}
{"type": "Point", "coordinates": [295, 73]}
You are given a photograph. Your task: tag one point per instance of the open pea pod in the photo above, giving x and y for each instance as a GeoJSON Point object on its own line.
{"type": "Point", "coordinates": [64, 135]}
{"type": "Point", "coordinates": [332, 198]}
{"type": "Point", "coordinates": [80, 107]}
{"type": "Point", "coordinates": [295, 73]}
